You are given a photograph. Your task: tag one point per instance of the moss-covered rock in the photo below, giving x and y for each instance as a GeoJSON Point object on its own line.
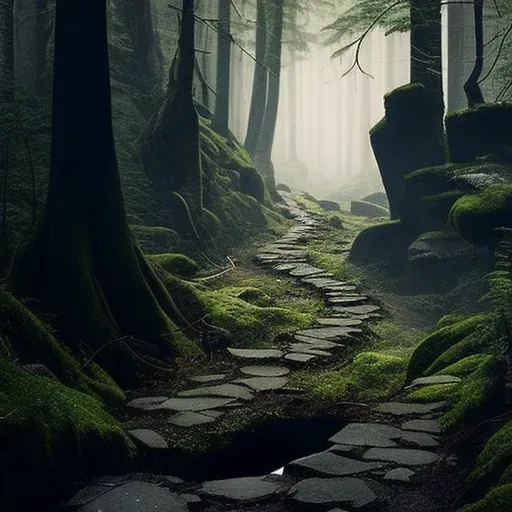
{"type": "Point", "coordinates": [379, 198]}
{"type": "Point", "coordinates": [497, 500]}
{"type": "Point", "coordinates": [450, 320]}
{"type": "Point", "coordinates": [475, 217]}
{"type": "Point", "coordinates": [482, 130]}
{"type": "Point", "coordinates": [177, 264]}
{"type": "Point", "coordinates": [283, 187]}
{"type": "Point", "coordinates": [465, 366]}
{"type": "Point", "coordinates": [155, 239]}
{"type": "Point", "coordinates": [434, 393]}
{"type": "Point", "coordinates": [51, 436]}
{"type": "Point", "coordinates": [439, 341]}
{"type": "Point", "coordinates": [366, 209]}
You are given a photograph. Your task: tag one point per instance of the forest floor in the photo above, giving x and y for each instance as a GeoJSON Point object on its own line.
{"type": "Point", "coordinates": [244, 413]}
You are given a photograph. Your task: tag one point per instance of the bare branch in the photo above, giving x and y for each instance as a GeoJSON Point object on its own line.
{"type": "Point", "coordinates": [498, 55]}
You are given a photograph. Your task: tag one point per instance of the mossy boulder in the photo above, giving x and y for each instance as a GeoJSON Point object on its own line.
{"type": "Point", "coordinates": [483, 130]}
{"type": "Point", "coordinates": [384, 243]}
{"type": "Point", "coordinates": [177, 264]}
{"type": "Point", "coordinates": [475, 217]}
{"type": "Point", "coordinates": [329, 206]}
{"type": "Point", "coordinates": [434, 345]}
{"type": "Point", "coordinates": [52, 436]}
{"type": "Point", "coordinates": [251, 183]}
{"type": "Point", "coordinates": [434, 393]}
{"type": "Point", "coordinates": [283, 187]}
{"type": "Point", "coordinates": [378, 198]}
{"type": "Point", "coordinates": [366, 209]}
{"type": "Point", "coordinates": [497, 500]}
{"type": "Point", "coordinates": [155, 239]}
{"type": "Point", "coordinates": [465, 366]}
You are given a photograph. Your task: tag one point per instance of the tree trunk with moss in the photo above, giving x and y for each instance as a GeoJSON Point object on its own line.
{"type": "Point", "coordinates": [81, 263]}
{"type": "Point", "coordinates": [260, 81]}
{"type": "Point", "coordinates": [220, 121]}
{"type": "Point", "coordinates": [266, 140]}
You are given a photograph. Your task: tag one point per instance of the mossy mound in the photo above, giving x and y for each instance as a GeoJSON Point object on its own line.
{"type": "Point", "coordinates": [475, 217]}
{"type": "Point", "coordinates": [177, 264]}
{"type": "Point", "coordinates": [155, 239]}
{"type": "Point", "coordinates": [434, 393]}
{"type": "Point", "coordinates": [371, 375]}
{"type": "Point", "coordinates": [25, 337]}
{"type": "Point", "coordinates": [497, 500]}
{"type": "Point", "coordinates": [51, 436]}
{"type": "Point", "coordinates": [479, 396]}
{"type": "Point", "coordinates": [482, 130]}
{"type": "Point", "coordinates": [283, 187]}
{"type": "Point", "coordinates": [434, 345]}
{"type": "Point", "coordinates": [247, 325]}
{"type": "Point", "coordinates": [366, 209]}
{"type": "Point", "coordinates": [379, 198]}
{"type": "Point", "coordinates": [465, 366]}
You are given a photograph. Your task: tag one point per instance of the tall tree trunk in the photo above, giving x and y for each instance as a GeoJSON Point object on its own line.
{"type": "Point", "coordinates": [220, 121]}
{"type": "Point", "coordinates": [7, 92]}
{"type": "Point", "coordinates": [472, 88]}
{"type": "Point", "coordinates": [260, 81]}
{"type": "Point", "coordinates": [81, 262]}
{"type": "Point", "coordinates": [266, 140]}
{"type": "Point", "coordinates": [292, 111]}
{"type": "Point", "coordinates": [43, 34]}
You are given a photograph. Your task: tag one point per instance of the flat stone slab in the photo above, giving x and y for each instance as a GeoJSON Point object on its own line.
{"type": "Point", "coordinates": [306, 271]}
{"type": "Point", "coordinates": [265, 371]}
{"type": "Point", "coordinates": [368, 434]}
{"type": "Point", "coordinates": [403, 409]}
{"type": "Point", "coordinates": [147, 404]}
{"type": "Point", "coordinates": [399, 475]}
{"type": "Point", "coordinates": [256, 353]}
{"type": "Point", "coordinates": [319, 282]}
{"type": "Point", "coordinates": [339, 322]}
{"type": "Point", "coordinates": [286, 267]}
{"type": "Point", "coordinates": [194, 404]}
{"type": "Point", "coordinates": [264, 383]}
{"type": "Point", "coordinates": [342, 301]}
{"type": "Point", "coordinates": [402, 456]}
{"type": "Point", "coordinates": [191, 419]}
{"type": "Point", "coordinates": [88, 494]}
{"type": "Point", "coordinates": [329, 333]}
{"type": "Point", "coordinates": [333, 291]}
{"type": "Point", "coordinates": [332, 492]}
{"type": "Point", "coordinates": [136, 497]}
{"type": "Point", "coordinates": [430, 426]}
{"type": "Point", "coordinates": [227, 390]}
{"type": "Point", "coordinates": [420, 439]}
{"type": "Point", "coordinates": [299, 358]}
{"type": "Point", "coordinates": [149, 438]}
{"type": "Point", "coordinates": [364, 309]}
{"type": "Point", "coordinates": [208, 378]}
{"type": "Point", "coordinates": [434, 379]}
{"type": "Point", "coordinates": [246, 489]}
{"type": "Point", "coordinates": [213, 413]}
{"type": "Point", "coordinates": [314, 343]}
{"type": "Point", "coordinates": [328, 464]}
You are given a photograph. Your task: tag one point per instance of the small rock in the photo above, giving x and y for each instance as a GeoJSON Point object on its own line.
{"type": "Point", "coordinates": [194, 404]}
{"type": "Point", "coordinates": [421, 439]}
{"type": "Point", "coordinates": [329, 333]}
{"type": "Point", "coordinates": [147, 404]}
{"type": "Point", "coordinates": [364, 309]}
{"type": "Point", "coordinates": [367, 434]}
{"type": "Point", "coordinates": [192, 499]}
{"type": "Point", "coordinates": [213, 413]}
{"type": "Point", "coordinates": [434, 379]}
{"type": "Point", "coordinates": [149, 438]}
{"type": "Point", "coordinates": [245, 489]}
{"type": "Point", "coordinates": [305, 271]}
{"type": "Point", "coordinates": [399, 475]}
{"type": "Point", "coordinates": [264, 383]}
{"type": "Point", "coordinates": [265, 371]}
{"type": "Point", "coordinates": [332, 492]}
{"type": "Point", "coordinates": [337, 301]}
{"type": "Point", "coordinates": [299, 358]}
{"type": "Point", "coordinates": [312, 343]}
{"type": "Point", "coordinates": [208, 378]}
{"type": "Point", "coordinates": [402, 409]}
{"type": "Point", "coordinates": [174, 480]}
{"type": "Point", "coordinates": [227, 390]}
{"type": "Point", "coordinates": [404, 456]}
{"type": "Point", "coordinates": [339, 322]}
{"type": "Point", "coordinates": [247, 353]}
{"type": "Point", "coordinates": [430, 426]}
{"type": "Point", "coordinates": [191, 419]}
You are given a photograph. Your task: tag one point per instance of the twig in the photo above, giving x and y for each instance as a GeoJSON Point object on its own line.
{"type": "Point", "coordinates": [497, 58]}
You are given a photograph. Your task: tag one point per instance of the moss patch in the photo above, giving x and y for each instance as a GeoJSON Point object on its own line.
{"type": "Point", "coordinates": [497, 500]}
{"type": "Point", "coordinates": [465, 366]}
{"type": "Point", "coordinates": [177, 264]}
{"type": "Point", "coordinates": [434, 393]}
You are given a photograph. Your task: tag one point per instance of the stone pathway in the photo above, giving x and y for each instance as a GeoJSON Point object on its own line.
{"type": "Point", "coordinates": [363, 459]}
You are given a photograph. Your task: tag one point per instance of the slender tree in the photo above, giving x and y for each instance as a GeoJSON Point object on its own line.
{"type": "Point", "coordinates": [472, 87]}
{"type": "Point", "coordinates": [260, 81]}
{"type": "Point", "coordinates": [221, 116]}
{"type": "Point", "coordinates": [81, 263]}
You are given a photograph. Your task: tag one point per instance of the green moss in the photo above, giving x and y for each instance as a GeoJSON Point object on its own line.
{"type": "Point", "coordinates": [497, 500]}
{"type": "Point", "coordinates": [475, 217]}
{"type": "Point", "coordinates": [449, 319]}
{"type": "Point", "coordinates": [438, 342]}
{"type": "Point", "coordinates": [431, 180]}
{"type": "Point", "coordinates": [434, 393]}
{"type": "Point", "coordinates": [177, 264]}
{"type": "Point", "coordinates": [435, 210]}
{"type": "Point", "coordinates": [465, 366]}
{"type": "Point", "coordinates": [249, 325]}
{"type": "Point", "coordinates": [371, 375]}
{"type": "Point", "coordinates": [51, 436]}
{"type": "Point", "coordinates": [478, 394]}
{"type": "Point", "coordinates": [33, 342]}
{"type": "Point", "coordinates": [155, 240]}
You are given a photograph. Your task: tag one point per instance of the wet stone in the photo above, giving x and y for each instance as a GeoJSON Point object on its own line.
{"type": "Point", "coordinates": [403, 409]}
{"type": "Point", "coordinates": [313, 343]}
{"type": "Point", "coordinates": [246, 489]}
{"type": "Point", "coordinates": [208, 378]}
{"type": "Point", "coordinates": [434, 379]}
{"type": "Point", "coordinates": [367, 434]}
{"type": "Point", "coordinates": [136, 497]}
{"type": "Point", "coordinates": [213, 413]}
{"type": "Point", "coordinates": [299, 358]}
{"type": "Point", "coordinates": [264, 383]}
{"type": "Point", "coordinates": [285, 267]}
{"type": "Point", "coordinates": [265, 371]}
{"type": "Point", "coordinates": [332, 492]}
{"type": "Point", "coordinates": [328, 464]}
{"type": "Point", "coordinates": [149, 438]}
{"type": "Point", "coordinates": [319, 282]}
{"type": "Point", "coordinates": [305, 270]}
{"type": "Point", "coordinates": [421, 439]}
{"type": "Point", "coordinates": [334, 291]}
{"type": "Point", "coordinates": [430, 426]}
{"type": "Point", "coordinates": [227, 390]}
{"type": "Point", "coordinates": [147, 404]}
{"type": "Point", "coordinates": [364, 309]}
{"type": "Point", "coordinates": [402, 456]}
{"type": "Point", "coordinates": [247, 353]}
{"type": "Point", "coordinates": [399, 475]}
{"type": "Point", "coordinates": [329, 333]}
{"type": "Point", "coordinates": [347, 300]}
{"type": "Point", "coordinates": [191, 419]}
{"type": "Point", "coordinates": [194, 404]}
{"type": "Point", "coordinates": [87, 494]}
{"type": "Point", "coordinates": [339, 322]}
